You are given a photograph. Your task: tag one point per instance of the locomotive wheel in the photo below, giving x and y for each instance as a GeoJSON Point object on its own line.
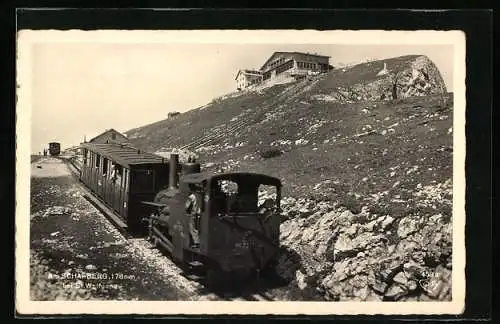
{"type": "Point", "coordinates": [214, 279]}
{"type": "Point", "coordinates": [156, 242]}
{"type": "Point", "coordinates": [150, 235]}
{"type": "Point", "coordinates": [270, 269]}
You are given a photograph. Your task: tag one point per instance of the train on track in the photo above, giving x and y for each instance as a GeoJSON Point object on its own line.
{"type": "Point", "coordinates": [54, 148]}
{"type": "Point", "coordinates": [212, 221]}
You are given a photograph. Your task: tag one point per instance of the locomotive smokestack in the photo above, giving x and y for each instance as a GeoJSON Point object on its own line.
{"type": "Point", "coordinates": [173, 172]}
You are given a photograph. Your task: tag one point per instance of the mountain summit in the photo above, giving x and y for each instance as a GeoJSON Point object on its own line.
{"type": "Point", "coordinates": [366, 161]}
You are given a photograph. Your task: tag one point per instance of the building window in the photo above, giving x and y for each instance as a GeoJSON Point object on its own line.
{"type": "Point", "coordinates": [113, 136]}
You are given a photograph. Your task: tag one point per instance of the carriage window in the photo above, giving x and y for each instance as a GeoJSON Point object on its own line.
{"type": "Point", "coordinates": [116, 173]}
{"type": "Point", "coordinates": [118, 169]}
{"type": "Point", "coordinates": [144, 180]}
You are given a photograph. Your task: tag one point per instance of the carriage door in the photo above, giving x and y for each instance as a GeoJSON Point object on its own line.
{"type": "Point", "coordinates": [105, 176]}
{"type": "Point", "coordinates": [124, 193]}
{"type": "Point", "coordinates": [100, 178]}
{"type": "Point", "coordinates": [93, 171]}
{"type": "Point", "coordinates": [118, 184]}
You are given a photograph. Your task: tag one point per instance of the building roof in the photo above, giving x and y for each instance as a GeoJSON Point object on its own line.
{"type": "Point", "coordinates": [123, 154]}
{"type": "Point", "coordinates": [277, 53]}
{"type": "Point", "coordinates": [253, 72]}
{"type": "Point", "coordinates": [107, 131]}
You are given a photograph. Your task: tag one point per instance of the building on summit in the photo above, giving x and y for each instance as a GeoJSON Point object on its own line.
{"type": "Point", "coordinates": [246, 78]}
{"type": "Point", "coordinates": [282, 67]}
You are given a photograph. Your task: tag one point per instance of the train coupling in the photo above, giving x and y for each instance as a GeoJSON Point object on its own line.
{"type": "Point", "coordinates": [148, 219]}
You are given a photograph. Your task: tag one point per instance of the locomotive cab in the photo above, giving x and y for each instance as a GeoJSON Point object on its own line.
{"type": "Point", "coordinates": [228, 230]}
{"type": "Point", "coordinates": [241, 232]}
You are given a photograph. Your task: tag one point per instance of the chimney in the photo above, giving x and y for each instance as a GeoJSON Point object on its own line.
{"type": "Point", "coordinates": [173, 175]}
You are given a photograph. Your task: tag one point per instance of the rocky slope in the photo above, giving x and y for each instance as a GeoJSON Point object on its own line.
{"type": "Point", "coordinates": [366, 161]}
{"type": "Point", "coordinates": [366, 256]}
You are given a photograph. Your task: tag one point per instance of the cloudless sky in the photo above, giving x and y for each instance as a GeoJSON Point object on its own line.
{"type": "Point", "coordinates": [85, 88]}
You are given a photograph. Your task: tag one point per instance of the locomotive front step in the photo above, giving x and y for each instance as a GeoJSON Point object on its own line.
{"type": "Point", "coordinates": [195, 264]}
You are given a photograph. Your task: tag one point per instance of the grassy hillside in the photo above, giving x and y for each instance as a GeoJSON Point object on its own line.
{"type": "Point", "coordinates": [336, 151]}
{"type": "Point", "coordinates": [252, 107]}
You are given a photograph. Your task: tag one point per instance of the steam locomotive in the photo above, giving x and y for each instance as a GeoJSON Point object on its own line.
{"type": "Point", "coordinates": [228, 231]}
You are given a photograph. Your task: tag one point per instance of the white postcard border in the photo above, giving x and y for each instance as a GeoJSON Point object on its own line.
{"type": "Point", "coordinates": [28, 38]}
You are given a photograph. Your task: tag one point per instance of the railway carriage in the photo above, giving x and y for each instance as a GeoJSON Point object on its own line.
{"type": "Point", "coordinates": [54, 148]}
{"type": "Point", "coordinates": [122, 176]}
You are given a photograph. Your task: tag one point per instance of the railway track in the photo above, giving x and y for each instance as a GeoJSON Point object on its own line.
{"type": "Point", "coordinates": [255, 291]}
{"type": "Point", "coordinates": [289, 94]}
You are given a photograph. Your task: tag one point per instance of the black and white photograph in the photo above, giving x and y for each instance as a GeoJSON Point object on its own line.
{"type": "Point", "coordinates": [240, 172]}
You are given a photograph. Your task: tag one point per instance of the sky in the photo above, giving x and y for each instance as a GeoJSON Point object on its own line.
{"type": "Point", "coordinates": [83, 88]}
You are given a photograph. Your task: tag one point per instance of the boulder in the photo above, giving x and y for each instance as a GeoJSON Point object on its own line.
{"type": "Point", "coordinates": [395, 292]}
{"type": "Point", "coordinates": [386, 221]}
{"type": "Point", "coordinates": [407, 226]}
{"type": "Point", "coordinates": [301, 280]}
{"type": "Point", "coordinates": [347, 247]}
{"type": "Point", "coordinates": [438, 285]}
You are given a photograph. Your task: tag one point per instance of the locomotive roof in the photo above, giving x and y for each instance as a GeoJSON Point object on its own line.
{"type": "Point", "coordinates": [207, 176]}
{"type": "Point", "coordinates": [123, 154]}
